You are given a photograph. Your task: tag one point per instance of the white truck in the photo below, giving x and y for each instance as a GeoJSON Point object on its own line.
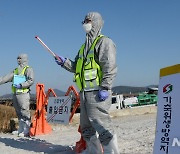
{"type": "Point", "coordinates": [117, 102]}
{"type": "Point", "coordinates": [130, 101]}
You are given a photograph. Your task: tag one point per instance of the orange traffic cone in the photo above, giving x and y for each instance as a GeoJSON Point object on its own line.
{"type": "Point", "coordinates": [39, 123]}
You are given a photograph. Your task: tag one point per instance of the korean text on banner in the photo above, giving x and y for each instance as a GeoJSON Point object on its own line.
{"type": "Point", "coordinates": [58, 110]}
{"type": "Point", "coordinates": [167, 139]}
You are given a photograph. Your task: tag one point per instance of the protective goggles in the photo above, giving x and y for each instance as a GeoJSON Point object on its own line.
{"type": "Point", "coordinates": [86, 21]}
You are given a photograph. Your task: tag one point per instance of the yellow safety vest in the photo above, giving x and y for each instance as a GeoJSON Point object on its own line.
{"type": "Point", "coordinates": [23, 90]}
{"type": "Point", "coordinates": [88, 74]}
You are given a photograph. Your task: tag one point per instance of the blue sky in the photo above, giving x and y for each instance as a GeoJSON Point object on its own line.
{"type": "Point", "coordinates": [146, 33]}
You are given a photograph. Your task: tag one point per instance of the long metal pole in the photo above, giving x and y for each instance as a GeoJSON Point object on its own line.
{"type": "Point", "coordinates": [48, 49]}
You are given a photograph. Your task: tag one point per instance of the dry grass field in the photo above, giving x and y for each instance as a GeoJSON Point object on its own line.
{"type": "Point", "coordinates": [8, 118]}
{"type": "Point", "coordinates": [6, 113]}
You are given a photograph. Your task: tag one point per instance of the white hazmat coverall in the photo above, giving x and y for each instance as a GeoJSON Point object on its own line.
{"type": "Point", "coordinates": [21, 101]}
{"type": "Point", "coordinates": [94, 116]}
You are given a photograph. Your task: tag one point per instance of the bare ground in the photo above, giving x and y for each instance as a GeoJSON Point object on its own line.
{"type": "Point", "coordinates": [135, 133]}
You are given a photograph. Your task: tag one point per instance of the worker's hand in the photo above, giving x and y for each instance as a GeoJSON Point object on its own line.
{"type": "Point", "coordinates": [103, 95]}
{"type": "Point", "coordinates": [18, 86]}
{"type": "Point", "coordinates": [60, 62]}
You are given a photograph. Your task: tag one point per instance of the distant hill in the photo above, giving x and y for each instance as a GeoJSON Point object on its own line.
{"type": "Point", "coordinates": [33, 96]}
{"type": "Point", "coordinates": [59, 92]}
{"type": "Point", "coordinates": [6, 96]}
{"type": "Point", "coordinates": [130, 89]}
{"type": "Point", "coordinates": [116, 90]}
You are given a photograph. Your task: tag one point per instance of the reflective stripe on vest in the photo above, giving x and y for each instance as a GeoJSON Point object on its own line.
{"type": "Point", "coordinates": [23, 90]}
{"type": "Point", "coordinates": [88, 74]}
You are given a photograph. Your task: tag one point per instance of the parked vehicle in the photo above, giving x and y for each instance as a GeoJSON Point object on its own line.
{"type": "Point", "coordinates": [117, 102]}
{"type": "Point", "coordinates": [144, 98]}
{"type": "Point", "coordinates": [148, 98]}
{"type": "Point", "coordinates": [130, 102]}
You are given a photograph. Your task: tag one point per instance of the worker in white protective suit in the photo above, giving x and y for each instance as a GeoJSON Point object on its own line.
{"type": "Point", "coordinates": [22, 78]}
{"type": "Point", "coordinates": [95, 69]}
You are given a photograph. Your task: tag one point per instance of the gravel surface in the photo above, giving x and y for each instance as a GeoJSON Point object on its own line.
{"type": "Point", "coordinates": [135, 133]}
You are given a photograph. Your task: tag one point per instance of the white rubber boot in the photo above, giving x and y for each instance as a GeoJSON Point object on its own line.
{"type": "Point", "coordinates": [26, 128]}
{"type": "Point", "coordinates": [93, 146]}
{"type": "Point", "coordinates": [112, 147]}
{"type": "Point", "coordinates": [20, 129]}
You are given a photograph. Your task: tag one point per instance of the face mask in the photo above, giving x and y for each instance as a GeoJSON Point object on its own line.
{"type": "Point", "coordinates": [87, 27]}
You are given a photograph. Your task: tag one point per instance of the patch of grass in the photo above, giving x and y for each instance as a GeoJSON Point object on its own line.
{"type": "Point", "coordinates": [6, 113]}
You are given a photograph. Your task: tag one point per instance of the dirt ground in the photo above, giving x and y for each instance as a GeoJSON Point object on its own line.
{"type": "Point", "coordinates": [135, 133]}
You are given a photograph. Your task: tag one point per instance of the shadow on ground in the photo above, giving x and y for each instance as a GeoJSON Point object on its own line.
{"type": "Point", "coordinates": [36, 145]}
